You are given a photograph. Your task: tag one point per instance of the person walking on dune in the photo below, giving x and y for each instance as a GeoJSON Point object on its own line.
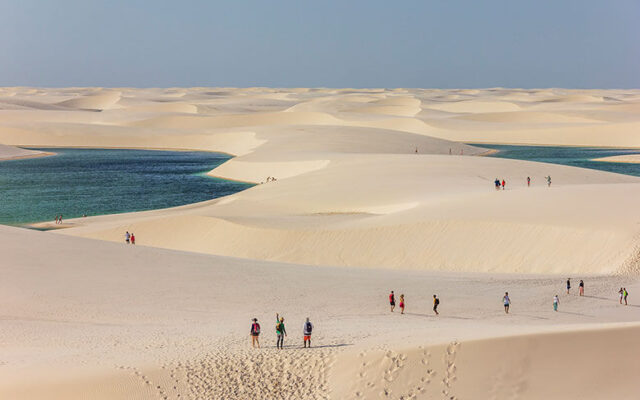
{"type": "Point", "coordinates": [133, 238]}
{"type": "Point", "coordinates": [281, 332]}
{"type": "Point", "coordinates": [568, 285]}
{"type": "Point", "coordinates": [497, 183]}
{"type": "Point", "coordinates": [528, 181]}
{"type": "Point", "coordinates": [127, 237]}
{"type": "Point", "coordinates": [581, 288]}
{"type": "Point", "coordinates": [306, 331]}
{"type": "Point", "coordinates": [436, 303]}
{"type": "Point", "coordinates": [255, 333]}
{"type": "Point", "coordinates": [392, 301]}
{"type": "Point", "coordinates": [621, 293]}
{"type": "Point", "coordinates": [625, 294]}
{"type": "Point", "coordinates": [548, 180]}
{"type": "Point", "coordinates": [556, 301]}
{"type": "Point", "coordinates": [507, 302]}
{"type": "Point", "coordinates": [402, 304]}
{"type": "Point", "coordinates": [503, 183]}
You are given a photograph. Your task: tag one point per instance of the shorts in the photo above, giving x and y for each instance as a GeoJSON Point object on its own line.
{"type": "Point", "coordinates": [393, 303]}
{"type": "Point", "coordinates": [307, 337]}
{"type": "Point", "coordinates": [435, 307]}
{"type": "Point", "coordinates": [255, 334]}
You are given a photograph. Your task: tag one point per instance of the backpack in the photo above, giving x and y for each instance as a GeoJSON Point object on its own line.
{"type": "Point", "coordinates": [279, 327]}
{"type": "Point", "coordinates": [255, 328]}
{"type": "Point", "coordinates": [308, 327]}
{"type": "Point", "coordinates": [437, 301]}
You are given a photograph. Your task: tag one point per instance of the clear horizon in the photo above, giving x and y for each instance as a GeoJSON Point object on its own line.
{"type": "Point", "coordinates": [358, 44]}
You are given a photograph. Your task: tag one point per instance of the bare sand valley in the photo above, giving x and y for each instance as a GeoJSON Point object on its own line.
{"type": "Point", "coordinates": [375, 190]}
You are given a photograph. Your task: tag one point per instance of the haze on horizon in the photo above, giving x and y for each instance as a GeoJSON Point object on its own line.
{"type": "Point", "coordinates": [571, 44]}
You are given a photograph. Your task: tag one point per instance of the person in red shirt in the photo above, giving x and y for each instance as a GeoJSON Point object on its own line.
{"type": "Point", "coordinates": [392, 300]}
{"type": "Point", "coordinates": [503, 183]}
{"type": "Point", "coordinates": [133, 238]}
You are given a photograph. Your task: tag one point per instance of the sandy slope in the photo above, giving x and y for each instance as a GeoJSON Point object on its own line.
{"type": "Point", "coordinates": [365, 178]}
{"type": "Point", "coordinates": [629, 158]}
{"type": "Point", "coordinates": [93, 319]}
{"type": "Point", "coordinates": [12, 153]}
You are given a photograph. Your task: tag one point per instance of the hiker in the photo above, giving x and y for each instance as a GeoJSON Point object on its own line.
{"type": "Point", "coordinates": [127, 237]}
{"type": "Point", "coordinates": [568, 285]}
{"type": "Point", "coordinates": [556, 301]}
{"type": "Point", "coordinates": [306, 331]}
{"type": "Point", "coordinates": [503, 183]}
{"type": "Point", "coordinates": [255, 333]}
{"type": "Point", "coordinates": [581, 287]}
{"type": "Point", "coordinates": [281, 332]}
{"type": "Point", "coordinates": [621, 293]}
{"type": "Point", "coordinates": [436, 303]}
{"type": "Point", "coordinates": [549, 181]}
{"type": "Point", "coordinates": [625, 293]}
{"type": "Point", "coordinates": [528, 181]}
{"type": "Point", "coordinates": [133, 238]}
{"type": "Point", "coordinates": [497, 183]}
{"type": "Point", "coordinates": [507, 302]}
{"type": "Point", "coordinates": [392, 301]}
{"type": "Point", "coordinates": [402, 303]}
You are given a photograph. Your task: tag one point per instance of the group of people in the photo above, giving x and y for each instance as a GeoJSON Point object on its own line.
{"type": "Point", "coordinates": [130, 238]}
{"type": "Point", "coordinates": [271, 179]}
{"type": "Point", "coordinates": [281, 332]}
{"type": "Point", "coordinates": [501, 184]}
{"type": "Point", "coordinates": [58, 219]}
{"type": "Point", "coordinates": [392, 303]}
{"type": "Point", "coordinates": [623, 295]}
{"type": "Point", "coordinates": [506, 300]}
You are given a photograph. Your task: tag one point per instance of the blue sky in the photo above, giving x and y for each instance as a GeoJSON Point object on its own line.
{"type": "Point", "coordinates": [406, 43]}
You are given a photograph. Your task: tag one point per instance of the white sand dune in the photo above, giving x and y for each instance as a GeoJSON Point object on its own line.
{"type": "Point", "coordinates": [375, 186]}
{"type": "Point", "coordinates": [628, 158]}
{"type": "Point", "coordinates": [12, 153]}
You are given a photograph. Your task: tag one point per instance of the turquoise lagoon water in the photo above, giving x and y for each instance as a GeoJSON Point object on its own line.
{"type": "Point", "coordinates": [99, 181]}
{"type": "Point", "coordinates": [574, 156]}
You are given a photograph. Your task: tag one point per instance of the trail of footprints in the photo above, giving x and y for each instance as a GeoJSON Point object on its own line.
{"type": "Point", "coordinates": [414, 388]}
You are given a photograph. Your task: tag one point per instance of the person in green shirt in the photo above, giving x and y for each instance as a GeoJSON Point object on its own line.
{"type": "Point", "coordinates": [281, 332]}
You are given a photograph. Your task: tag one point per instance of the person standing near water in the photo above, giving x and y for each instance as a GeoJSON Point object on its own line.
{"type": "Point", "coordinates": [556, 301]}
{"type": "Point", "coordinates": [392, 301]}
{"type": "Point", "coordinates": [281, 332]}
{"type": "Point", "coordinates": [568, 285]}
{"type": "Point", "coordinates": [581, 287]}
{"type": "Point", "coordinates": [436, 303]}
{"type": "Point", "coordinates": [127, 237]}
{"type": "Point", "coordinates": [528, 181]}
{"type": "Point", "coordinates": [402, 304]}
{"type": "Point", "coordinates": [507, 302]}
{"type": "Point", "coordinates": [306, 331]}
{"type": "Point", "coordinates": [255, 333]}
{"type": "Point", "coordinates": [56, 220]}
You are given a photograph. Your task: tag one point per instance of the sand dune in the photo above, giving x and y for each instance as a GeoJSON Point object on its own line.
{"type": "Point", "coordinates": [376, 186]}
{"type": "Point", "coordinates": [12, 153]}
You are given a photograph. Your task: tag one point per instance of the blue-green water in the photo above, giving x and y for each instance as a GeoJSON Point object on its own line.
{"type": "Point", "coordinates": [574, 156]}
{"type": "Point", "coordinates": [97, 181]}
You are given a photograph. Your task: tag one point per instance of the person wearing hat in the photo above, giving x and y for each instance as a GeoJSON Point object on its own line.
{"type": "Point", "coordinates": [255, 333]}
